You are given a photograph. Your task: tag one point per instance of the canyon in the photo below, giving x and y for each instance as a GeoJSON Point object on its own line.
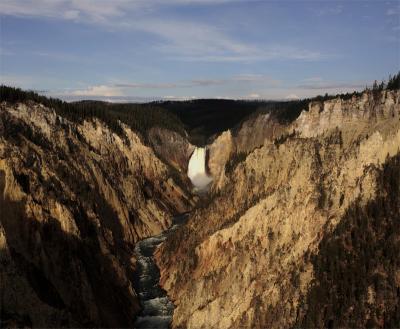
{"type": "Point", "coordinates": [76, 198]}
{"type": "Point", "coordinates": [249, 256]}
{"type": "Point", "coordinates": [281, 218]}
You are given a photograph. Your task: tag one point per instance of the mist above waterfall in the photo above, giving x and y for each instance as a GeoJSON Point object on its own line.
{"type": "Point", "coordinates": [197, 169]}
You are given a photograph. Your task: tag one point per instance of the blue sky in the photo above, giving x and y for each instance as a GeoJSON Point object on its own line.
{"type": "Point", "coordinates": [123, 50]}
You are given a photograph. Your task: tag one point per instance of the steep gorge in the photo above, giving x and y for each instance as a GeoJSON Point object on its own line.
{"type": "Point", "coordinates": [248, 254]}
{"type": "Point", "coordinates": [75, 199]}
{"type": "Point", "coordinates": [293, 210]}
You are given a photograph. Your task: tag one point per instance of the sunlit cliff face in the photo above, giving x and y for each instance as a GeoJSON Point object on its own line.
{"type": "Point", "coordinates": [197, 170]}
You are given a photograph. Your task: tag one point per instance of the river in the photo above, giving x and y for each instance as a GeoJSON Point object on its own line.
{"type": "Point", "coordinates": [157, 309]}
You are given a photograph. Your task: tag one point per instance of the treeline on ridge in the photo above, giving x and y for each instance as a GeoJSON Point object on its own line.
{"type": "Point", "coordinates": [356, 269]}
{"type": "Point", "coordinates": [204, 118]}
{"type": "Point", "coordinates": [201, 118]}
{"type": "Point", "coordinates": [140, 117]}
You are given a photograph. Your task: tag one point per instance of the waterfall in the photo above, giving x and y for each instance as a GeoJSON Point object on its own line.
{"type": "Point", "coordinates": [197, 169]}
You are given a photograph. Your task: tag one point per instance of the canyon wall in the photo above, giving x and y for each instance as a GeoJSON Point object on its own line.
{"type": "Point", "coordinates": [252, 256]}
{"type": "Point", "coordinates": [234, 144]}
{"type": "Point", "coordinates": [300, 228]}
{"type": "Point", "coordinates": [74, 200]}
{"type": "Point", "coordinates": [171, 147]}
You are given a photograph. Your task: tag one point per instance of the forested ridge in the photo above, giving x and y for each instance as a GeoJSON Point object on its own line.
{"type": "Point", "coordinates": [356, 269]}
{"type": "Point", "coordinates": [201, 118]}
{"type": "Point", "coordinates": [140, 117]}
{"type": "Point", "coordinates": [205, 118]}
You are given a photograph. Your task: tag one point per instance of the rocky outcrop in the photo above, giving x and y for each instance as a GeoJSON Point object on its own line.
{"type": "Point", "coordinates": [172, 147]}
{"type": "Point", "coordinates": [251, 134]}
{"type": "Point", "coordinates": [254, 131]}
{"type": "Point", "coordinates": [294, 212]}
{"type": "Point", "coordinates": [356, 270]}
{"type": "Point", "coordinates": [362, 113]}
{"type": "Point", "coordinates": [219, 152]}
{"type": "Point", "coordinates": [74, 199]}
{"type": "Point", "coordinates": [247, 257]}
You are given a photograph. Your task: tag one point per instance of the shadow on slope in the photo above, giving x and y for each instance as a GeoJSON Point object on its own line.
{"type": "Point", "coordinates": [357, 268]}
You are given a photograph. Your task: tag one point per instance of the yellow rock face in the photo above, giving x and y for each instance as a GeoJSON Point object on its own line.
{"type": "Point", "coordinates": [74, 199]}
{"type": "Point", "coordinates": [236, 268]}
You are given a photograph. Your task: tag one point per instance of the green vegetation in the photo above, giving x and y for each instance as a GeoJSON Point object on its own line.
{"type": "Point", "coordinates": [394, 82]}
{"type": "Point", "coordinates": [283, 138]}
{"type": "Point", "coordinates": [356, 269]}
{"type": "Point", "coordinates": [140, 117]}
{"type": "Point", "coordinates": [287, 111]}
{"type": "Point", "coordinates": [13, 129]}
{"type": "Point", "coordinates": [202, 118]}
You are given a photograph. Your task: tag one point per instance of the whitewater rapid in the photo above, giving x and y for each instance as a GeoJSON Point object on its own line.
{"type": "Point", "coordinates": [197, 169]}
{"type": "Point", "coordinates": [157, 308]}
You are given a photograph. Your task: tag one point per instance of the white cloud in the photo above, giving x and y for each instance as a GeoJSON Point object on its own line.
{"type": "Point", "coordinates": [249, 77]}
{"type": "Point", "coordinates": [17, 80]}
{"type": "Point", "coordinates": [101, 90]}
{"type": "Point", "coordinates": [137, 85]}
{"type": "Point", "coordinates": [71, 14]}
{"type": "Point", "coordinates": [5, 52]}
{"type": "Point", "coordinates": [177, 39]}
{"type": "Point", "coordinates": [125, 92]}
{"type": "Point", "coordinates": [193, 40]}
{"type": "Point", "coordinates": [324, 85]}
{"type": "Point", "coordinates": [333, 10]}
{"type": "Point", "coordinates": [313, 79]}
{"type": "Point", "coordinates": [393, 11]}
{"type": "Point", "coordinates": [59, 56]}
{"type": "Point", "coordinates": [178, 98]}
{"type": "Point", "coordinates": [225, 53]}
{"type": "Point", "coordinates": [292, 97]}
{"type": "Point", "coordinates": [236, 79]}
{"type": "Point", "coordinates": [97, 11]}
{"type": "Point", "coordinates": [125, 89]}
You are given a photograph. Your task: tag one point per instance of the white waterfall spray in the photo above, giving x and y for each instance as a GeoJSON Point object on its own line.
{"type": "Point", "coordinates": [197, 169]}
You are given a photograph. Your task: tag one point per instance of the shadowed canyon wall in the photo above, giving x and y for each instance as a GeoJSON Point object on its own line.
{"type": "Point", "coordinates": [74, 200]}
{"type": "Point", "coordinates": [300, 227]}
